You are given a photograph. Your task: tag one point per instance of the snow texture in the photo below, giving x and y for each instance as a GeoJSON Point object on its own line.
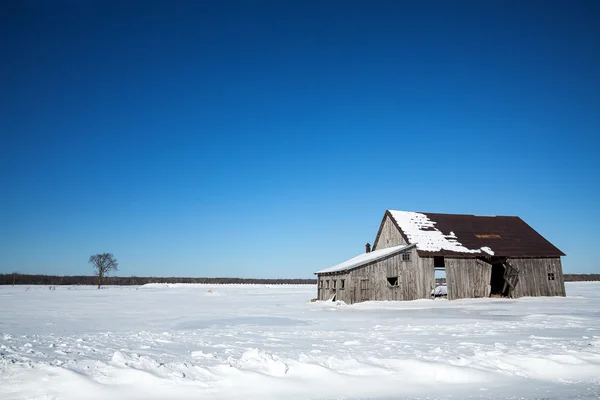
{"type": "Point", "coordinates": [364, 258]}
{"type": "Point", "coordinates": [271, 342]}
{"type": "Point", "coordinates": [440, 291]}
{"type": "Point", "coordinates": [487, 250]}
{"type": "Point", "coordinates": [421, 230]}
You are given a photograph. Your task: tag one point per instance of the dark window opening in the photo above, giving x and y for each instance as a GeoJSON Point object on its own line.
{"type": "Point", "coordinates": [438, 262]}
{"type": "Point", "coordinates": [551, 276]}
{"type": "Point", "coordinates": [393, 281]}
{"type": "Point", "coordinates": [405, 256]}
{"type": "Point", "coordinates": [326, 284]}
{"type": "Point", "coordinates": [334, 284]}
{"type": "Point", "coordinates": [321, 284]}
{"type": "Point", "coordinates": [342, 284]}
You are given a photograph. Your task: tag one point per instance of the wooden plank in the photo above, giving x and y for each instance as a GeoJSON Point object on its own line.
{"type": "Point", "coordinates": [389, 236]}
{"type": "Point", "coordinates": [467, 278]}
{"type": "Point", "coordinates": [534, 279]}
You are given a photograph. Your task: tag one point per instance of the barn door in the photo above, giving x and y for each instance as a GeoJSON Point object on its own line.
{"type": "Point", "coordinates": [364, 290]}
{"type": "Point", "coordinates": [511, 278]}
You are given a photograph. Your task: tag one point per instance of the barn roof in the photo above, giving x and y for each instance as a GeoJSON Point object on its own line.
{"type": "Point", "coordinates": [471, 235]}
{"type": "Point", "coordinates": [365, 258]}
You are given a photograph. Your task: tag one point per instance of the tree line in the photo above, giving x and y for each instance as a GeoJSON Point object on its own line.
{"type": "Point", "coordinates": [581, 277]}
{"type": "Point", "coordinates": [33, 279]}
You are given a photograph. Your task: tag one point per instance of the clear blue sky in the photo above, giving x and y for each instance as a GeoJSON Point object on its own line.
{"type": "Point", "coordinates": [267, 139]}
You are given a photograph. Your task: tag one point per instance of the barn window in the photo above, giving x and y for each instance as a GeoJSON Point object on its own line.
{"type": "Point", "coordinates": [342, 284]}
{"type": "Point", "coordinates": [405, 256]}
{"type": "Point", "coordinates": [439, 262]}
{"type": "Point", "coordinates": [550, 276]}
{"type": "Point", "coordinates": [327, 284]}
{"type": "Point", "coordinates": [334, 283]}
{"type": "Point", "coordinates": [393, 281]}
{"type": "Point", "coordinates": [321, 284]}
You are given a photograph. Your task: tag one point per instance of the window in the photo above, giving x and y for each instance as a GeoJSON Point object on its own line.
{"type": "Point", "coordinates": [439, 262]}
{"type": "Point", "coordinates": [405, 256]}
{"type": "Point", "coordinates": [550, 276]}
{"type": "Point", "coordinates": [327, 284]}
{"type": "Point", "coordinates": [321, 284]}
{"type": "Point", "coordinates": [393, 281]}
{"type": "Point", "coordinates": [342, 284]}
{"type": "Point", "coordinates": [334, 284]}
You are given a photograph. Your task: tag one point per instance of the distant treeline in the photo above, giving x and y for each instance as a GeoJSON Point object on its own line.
{"type": "Point", "coordinates": [581, 277]}
{"type": "Point", "coordinates": [26, 279]}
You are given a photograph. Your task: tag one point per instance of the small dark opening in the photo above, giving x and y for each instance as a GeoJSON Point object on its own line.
{"type": "Point", "coordinates": [342, 284]}
{"type": "Point", "coordinates": [438, 262]}
{"type": "Point", "coordinates": [393, 281]}
{"type": "Point", "coordinates": [497, 280]}
{"type": "Point", "coordinates": [550, 276]}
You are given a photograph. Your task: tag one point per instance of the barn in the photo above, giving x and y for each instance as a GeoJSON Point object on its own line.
{"type": "Point", "coordinates": [480, 255]}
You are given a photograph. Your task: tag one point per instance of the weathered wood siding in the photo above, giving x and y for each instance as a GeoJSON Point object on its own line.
{"type": "Point", "coordinates": [534, 279]}
{"type": "Point", "coordinates": [416, 279]}
{"type": "Point", "coordinates": [389, 237]}
{"type": "Point", "coordinates": [467, 278]}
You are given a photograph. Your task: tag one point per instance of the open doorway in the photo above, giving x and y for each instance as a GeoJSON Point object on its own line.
{"type": "Point", "coordinates": [497, 282]}
{"type": "Point", "coordinates": [439, 268]}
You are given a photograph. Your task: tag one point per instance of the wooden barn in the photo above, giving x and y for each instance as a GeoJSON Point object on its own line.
{"type": "Point", "coordinates": [480, 255]}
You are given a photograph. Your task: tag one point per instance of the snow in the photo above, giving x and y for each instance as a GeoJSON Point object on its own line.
{"type": "Point", "coordinates": [421, 230]}
{"type": "Point", "coordinates": [487, 250]}
{"type": "Point", "coordinates": [364, 259]}
{"type": "Point", "coordinates": [272, 342]}
{"type": "Point", "coordinates": [440, 291]}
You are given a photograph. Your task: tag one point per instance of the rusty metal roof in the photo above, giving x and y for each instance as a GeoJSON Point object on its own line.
{"type": "Point", "coordinates": [506, 236]}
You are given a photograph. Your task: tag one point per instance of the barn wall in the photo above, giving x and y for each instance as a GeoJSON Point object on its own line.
{"type": "Point", "coordinates": [389, 236]}
{"type": "Point", "coordinates": [325, 284]}
{"type": "Point", "coordinates": [424, 276]}
{"type": "Point", "coordinates": [415, 280]}
{"type": "Point", "coordinates": [534, 279]}
{"type": "Point", "coordinates": [467, 278]}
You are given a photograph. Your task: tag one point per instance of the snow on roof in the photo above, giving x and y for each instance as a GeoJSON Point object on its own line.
{"type": "Point", "coordinates": [421, 230]}
{"type": "Point", "coordinates": [364, 259]}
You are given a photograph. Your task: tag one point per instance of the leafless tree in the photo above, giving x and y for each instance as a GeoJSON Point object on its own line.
{"type": "Point", "coordinates": [15, 274]}
{"type": "Point", "coordinates": [103, 264]}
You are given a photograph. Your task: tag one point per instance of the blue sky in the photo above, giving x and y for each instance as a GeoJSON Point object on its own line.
{"type": "Point", "coordinates": [267, 139]}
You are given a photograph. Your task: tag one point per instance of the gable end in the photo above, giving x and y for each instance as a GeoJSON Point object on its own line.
{"type": "Point", "coordinates": [389, 233]}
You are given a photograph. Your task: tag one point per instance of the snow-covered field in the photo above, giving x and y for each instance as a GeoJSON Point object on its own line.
{"type": "Point", "coordinates": [271, 342]}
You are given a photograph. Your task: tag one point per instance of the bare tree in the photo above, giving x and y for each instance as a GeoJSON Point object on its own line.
{"type": "Point", "coordinates": [15, 274]}
{"type": "Point", "coordinates": [103, 264]}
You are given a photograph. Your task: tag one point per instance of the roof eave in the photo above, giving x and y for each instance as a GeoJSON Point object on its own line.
{"type": "Point", "coordinates": [407, 247]}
